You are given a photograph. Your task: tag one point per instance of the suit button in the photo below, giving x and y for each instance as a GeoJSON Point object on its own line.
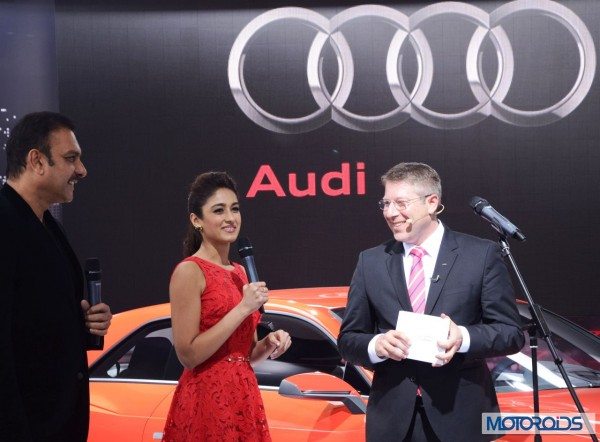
{"type": "Point", "coordinates": [80, 376]}
{"type": "Point", "coordinates": [413, 379]}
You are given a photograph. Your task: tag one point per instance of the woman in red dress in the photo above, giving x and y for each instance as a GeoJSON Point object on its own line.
{"type": "Point", "coordinates": [214, 313]}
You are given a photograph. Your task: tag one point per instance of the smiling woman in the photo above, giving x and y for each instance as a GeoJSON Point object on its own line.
{"type": "Point", "coordinates": [214, 318]}
{"type": "Point", "coordinates": [206, 186]}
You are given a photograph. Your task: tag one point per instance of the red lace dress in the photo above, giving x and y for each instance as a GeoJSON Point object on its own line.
{"type": "Point", "coordinates": [219, 399]}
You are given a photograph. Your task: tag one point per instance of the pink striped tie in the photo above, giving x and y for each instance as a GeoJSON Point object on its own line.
{"type": "Point", "coordinates": [416, 281]}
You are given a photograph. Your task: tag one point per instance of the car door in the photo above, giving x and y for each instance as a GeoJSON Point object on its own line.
{"type": "Point", "coordinates": [130, 381]}
{"type": "Point", "coordinates": [314, 349]}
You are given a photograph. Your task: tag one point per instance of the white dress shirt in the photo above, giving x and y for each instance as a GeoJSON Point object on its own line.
{"type": "Point", "coordinates": [432, 246]}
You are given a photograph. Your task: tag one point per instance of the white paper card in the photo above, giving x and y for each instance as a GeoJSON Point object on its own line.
{"type": "Point", "coordinates": [424, 331]}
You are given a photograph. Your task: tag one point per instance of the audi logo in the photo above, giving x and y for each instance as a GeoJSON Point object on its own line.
{"type": "Point", "coordinates": [410, 103]}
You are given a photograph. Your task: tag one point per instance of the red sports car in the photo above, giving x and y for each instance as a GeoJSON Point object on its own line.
{"type": "Point", "coordinates": [309, 393]}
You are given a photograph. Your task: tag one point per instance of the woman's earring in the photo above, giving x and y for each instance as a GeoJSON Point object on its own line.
{"type": "Point", "coordinates": [199, 229]}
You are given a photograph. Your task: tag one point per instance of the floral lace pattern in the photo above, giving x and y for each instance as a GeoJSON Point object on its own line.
{"type": "Point", "coordinates": [219, 400]}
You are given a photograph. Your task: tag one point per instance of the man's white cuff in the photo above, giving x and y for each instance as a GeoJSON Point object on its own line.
{"type": "Point", "coordinates": [466, 340]}
{"type": "Point", "coordinates": [371, 349]}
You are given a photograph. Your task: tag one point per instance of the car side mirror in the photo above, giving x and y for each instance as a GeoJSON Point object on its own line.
{"type": "Point", "coordinates": [325, 387]}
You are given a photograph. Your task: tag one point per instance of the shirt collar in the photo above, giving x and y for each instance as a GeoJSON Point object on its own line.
{"type": "Point", "coordinates": [431, 245]}
{"type": "Point", "coordinates": [17, 201]}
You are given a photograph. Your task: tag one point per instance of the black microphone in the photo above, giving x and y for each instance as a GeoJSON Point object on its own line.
{"type": "Point", "coordinates": [93, 276]}
{"type": "Point", "coordinates": [502, 225]}
{"type": "Point", "coordinates": [247, 255]}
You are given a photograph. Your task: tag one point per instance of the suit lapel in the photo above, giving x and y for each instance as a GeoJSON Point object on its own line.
{"type": "Point", "coordinates": [76, 271]}
{"type": "Point", "coordinates": [395, 266]}
{"type": "Point", "coordinates": [445, 260]}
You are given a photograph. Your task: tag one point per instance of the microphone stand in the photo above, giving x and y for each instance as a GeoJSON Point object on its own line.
{"type": "Point", "coordinates": [539, 328]}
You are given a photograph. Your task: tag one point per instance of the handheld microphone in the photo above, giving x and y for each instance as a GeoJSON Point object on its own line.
{"type": "Point", "coordinates": [502, 225]}
{"type": "Point", "coordinates": [93, 276]}
{"type": "Point", "coordinates": [247, 255]}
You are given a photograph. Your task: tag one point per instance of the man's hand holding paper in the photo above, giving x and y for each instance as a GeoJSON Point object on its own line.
{"type": "Point", "coordinates": [393, 344]}
{"type": "Point", "coordinates": [431, 338]}
{"type": "Point", "coordinates": [450, 345]}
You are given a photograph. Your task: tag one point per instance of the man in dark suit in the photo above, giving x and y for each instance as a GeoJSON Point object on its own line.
{"type": "Point", "coordinates": [461, 277]}
{"type": "Point", "coordinates": [45, 324]}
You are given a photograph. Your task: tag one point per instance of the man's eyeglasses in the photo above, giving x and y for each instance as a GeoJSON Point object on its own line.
{"type": "Point", "coordinates": [398, 204]}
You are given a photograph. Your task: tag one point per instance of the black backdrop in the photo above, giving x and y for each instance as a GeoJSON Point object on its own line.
{"type": "Point", "coordinates": [28, 74]}
{"type": "Point", "coordinates": [147, 84]}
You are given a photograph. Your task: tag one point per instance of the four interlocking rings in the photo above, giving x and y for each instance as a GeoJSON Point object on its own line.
{"type": "Point", "coordinates": [410, 103]}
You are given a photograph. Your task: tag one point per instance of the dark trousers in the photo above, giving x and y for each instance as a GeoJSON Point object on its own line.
{"type": "Point", "coordinates": [420, 429]}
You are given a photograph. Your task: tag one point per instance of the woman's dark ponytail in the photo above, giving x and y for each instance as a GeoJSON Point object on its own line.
{"type": "Point", "coordinates": [192, 241]}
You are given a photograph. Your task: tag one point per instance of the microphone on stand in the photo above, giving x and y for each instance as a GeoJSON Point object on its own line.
{"type": "Point", "coordinates": [93, 276]}
{"type": "Point", "coordinates": [502, 225]}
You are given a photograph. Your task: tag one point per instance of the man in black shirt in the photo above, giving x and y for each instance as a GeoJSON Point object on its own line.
{"type": "Point", "coordinates": [45, 323]}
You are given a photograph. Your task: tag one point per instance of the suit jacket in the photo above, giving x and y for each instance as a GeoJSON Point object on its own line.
{"type": "Point", "coordinates": [475, 290]}
{"type": "Point", "coordinates": [43, 367]}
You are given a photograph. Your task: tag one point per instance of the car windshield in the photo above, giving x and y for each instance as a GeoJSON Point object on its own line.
{"type": "Point", "coordinates": [579, 350]}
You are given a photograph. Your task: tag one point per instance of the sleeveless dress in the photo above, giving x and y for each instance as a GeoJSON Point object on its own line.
{"type": "Point", "coordinates": [219, 399]}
